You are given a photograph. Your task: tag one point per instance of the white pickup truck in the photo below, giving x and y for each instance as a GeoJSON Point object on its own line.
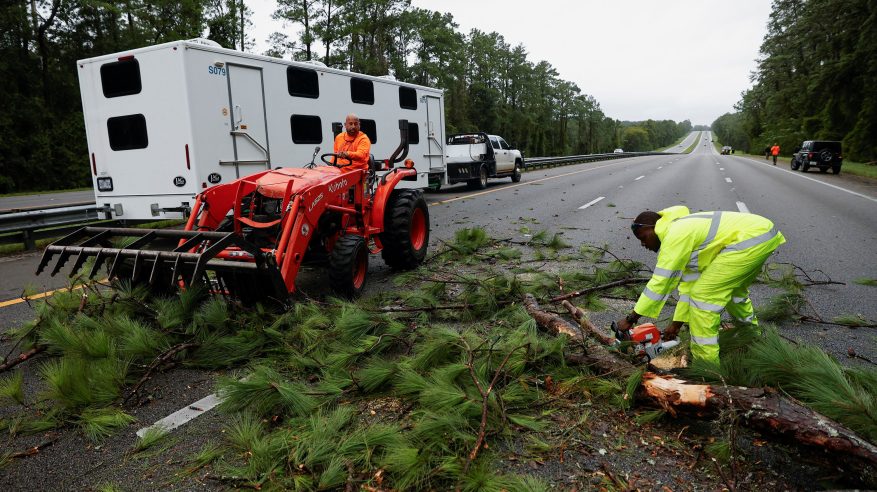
{"type": "Point", "coordinates": [474, 157]}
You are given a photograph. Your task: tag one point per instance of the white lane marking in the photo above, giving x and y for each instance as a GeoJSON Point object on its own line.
{"type": "Point", "coordinates": [660, 167]}
{"type": "Point", "coordinates": [728, 179]}
{"type": "Point", "coordinates": [851, 192]}
{"type": "Point", "coordinates": [639, 178]}
{"type": "Point", "coordinates": [721, 169]}
{"type": "Point", "coordinates": [591, 203]}
{"type": "Point", "coordinates": [183, 415]}
{"type": "Point", "coordinates": [742, 207]}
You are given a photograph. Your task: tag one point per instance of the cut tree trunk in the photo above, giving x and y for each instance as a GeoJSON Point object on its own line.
{"type": "Point", "coordinates": [760, 408]}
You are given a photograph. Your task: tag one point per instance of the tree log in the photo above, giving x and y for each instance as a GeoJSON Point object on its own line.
{"type": "Point", "coordinates": [760, 408]}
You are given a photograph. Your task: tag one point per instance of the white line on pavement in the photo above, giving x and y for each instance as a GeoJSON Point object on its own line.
{"type": "Point", "coordinates": [639, 178]}
{"type": "Point", "coordinates": [183, 415]}
{"type": "Point", "coordinates": [721, 169]}
{"type": "Point", "coordinates": [728, 179]}
{"type": "Point", "coordinates": [851, 192]}
{"type": "Point", "coordinates": [659, 167]}
{"type": "Point", "coordinates": [591, 203]}
{"type": "Point", "coordinates": [742, 207]}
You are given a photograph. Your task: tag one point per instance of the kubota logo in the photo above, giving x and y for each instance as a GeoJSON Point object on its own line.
{"type": "Point", "coordinates": [315, 202]}
{"type": "Point", "coordinates": [337, 186]}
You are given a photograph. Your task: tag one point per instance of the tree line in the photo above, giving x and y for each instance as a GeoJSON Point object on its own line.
{"type": "Point", "coordinates": [815, 80]}
{"type": "Point", "coordinates": [489, 84]}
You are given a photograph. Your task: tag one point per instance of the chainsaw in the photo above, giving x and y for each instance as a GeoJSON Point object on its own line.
{"type": "Point", "coordinates": [645, 340]}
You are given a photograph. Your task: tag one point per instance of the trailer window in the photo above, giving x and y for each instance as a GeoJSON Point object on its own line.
{"type": "Point", "coordinates": [370, 129]}
{"type": "Point", "coordinates": [121, 78]}
{"type": "Point", "coordinates": [362, 91]}
{"type": "Point", "coordinates": [306, 129]}
{"type": "Point", "coordinates": [413, 133]}
{"type": "Point", "coordinates": [127, 132]}
{"type": "Point", "coordinates": [302, 82]}
{"type": "Point", "coordinates": [407, 98]}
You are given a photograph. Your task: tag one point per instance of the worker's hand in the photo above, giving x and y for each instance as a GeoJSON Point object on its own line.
{"type": "Point", "coordinates": [343, 154]}
{"type": "Point", "coordinates": [623, 325]}
{"type": "Point", "coordinates": [672, 330]}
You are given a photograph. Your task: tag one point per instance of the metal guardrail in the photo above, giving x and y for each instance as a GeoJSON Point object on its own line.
{"type": "Point", "coordinates": [540, 162]}
{"type": "Point", "coordinates": [28, 226]}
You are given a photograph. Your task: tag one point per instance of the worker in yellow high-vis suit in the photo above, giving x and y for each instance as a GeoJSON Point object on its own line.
{"type": "Point", "coordinates": [712, 257]}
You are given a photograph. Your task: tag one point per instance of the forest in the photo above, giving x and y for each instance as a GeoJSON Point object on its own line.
{"type": "Point", "coordinates": [489, 84]}
{"type": "Point", "coordinates": [815, 80]}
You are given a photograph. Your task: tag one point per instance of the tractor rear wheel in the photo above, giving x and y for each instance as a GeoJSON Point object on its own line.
{"type": "Point", "coordinates": [406, 230]}
{"type": "Point", "coordinates": [348, 266]}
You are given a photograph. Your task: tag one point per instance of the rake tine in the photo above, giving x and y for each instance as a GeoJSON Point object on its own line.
{"type": "Point", "coordinates": [80, 259]}
{"type": "Point", "coordinates": [155, 266]}
{"type": "Point", "coordinates": [62, 258]}
{"type": "Point", "coordinates": [97, 263]}
{"type": "Point", "coordinates": [115, 265]}
{"type": "Point", "coordinates": [138, 263]}
{"type": "Point", "coordinates": [47, 257]}
{"type": "Point", "coordinates": [176, 271]}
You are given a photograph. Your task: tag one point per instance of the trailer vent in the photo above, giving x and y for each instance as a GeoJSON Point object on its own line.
{"type": "Point", "coordinates": [306, 129]}
{"type": "Point", "coordinates": [127, 132]}
{"type": "Point", "coordinates": [302, 82]}
{"type": "Point", "coordinates": [407, 98]}
{"type": "Point", "coordinates": [413, 133]}
{"type": "Point", "coordinates": [121, 78]}
{"type": "Point", "coordinates": [362, 91]}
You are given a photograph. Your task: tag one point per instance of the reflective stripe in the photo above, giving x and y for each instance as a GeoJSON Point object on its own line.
{"type": "Point", "coordinates": [654, 295]}
{"type": "Point", "coordinates": [667, 273]}
{"type": "Point", "coordinates": [699, 215]}
{"type": "Point", "coordinates": [754, 241]}
{"type": "Point", "coordinates": [684, 298]}
{"type": "Point", "coordinates": [747, 319]}
{"type": "Point", "coordinates": [705, 340]}
{"type": "Point", "coordinates": [690, 277]}
{"type": "Point", "coordinates": [706, 306]}
{"type": "Point", "coordinates": [739, 300]}
{"type": "Point", "coordinates": [710, 236]}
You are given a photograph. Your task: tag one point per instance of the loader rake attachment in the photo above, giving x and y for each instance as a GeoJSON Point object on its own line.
{"type": "Point", "coordinates": [165, 260]}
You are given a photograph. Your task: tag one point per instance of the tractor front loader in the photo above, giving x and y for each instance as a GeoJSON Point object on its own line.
{"type": "Point", "coordinates": [247, 239]}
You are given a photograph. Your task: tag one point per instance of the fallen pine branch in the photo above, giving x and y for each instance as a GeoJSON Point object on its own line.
{"type": "Point", "coordinates": [590, 290]}
{"type": "Point", "coordinates": [22, 357]}
{"type": "Point", "coordinates": [760, 408]}
{"type": "Point", "coordinates": [35, 449]}
{"type": "Point", "coordinates": [158, 362]}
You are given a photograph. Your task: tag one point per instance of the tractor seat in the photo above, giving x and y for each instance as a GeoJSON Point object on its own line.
{"type": "Point", "coordinates": [373, 165]}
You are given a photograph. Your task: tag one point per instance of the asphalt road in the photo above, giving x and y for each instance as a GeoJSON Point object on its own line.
{"type": "Point", "coordinates": [828, 222]}
{"type": "Point", "coordinates": [11, 203]}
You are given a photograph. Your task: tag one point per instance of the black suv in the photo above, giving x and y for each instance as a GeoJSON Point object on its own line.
{"type": "Point", "coordinates": [818, 153]}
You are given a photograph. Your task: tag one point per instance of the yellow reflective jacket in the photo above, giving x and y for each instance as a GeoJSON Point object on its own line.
{"type": "Point", "coordinates": [690, 242]}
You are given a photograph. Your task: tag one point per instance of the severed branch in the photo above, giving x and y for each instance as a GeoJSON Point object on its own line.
{"type": "Point", "coordinates": [22, 357]}
{"type": "Point", "coordinates": [35, 449]}
{"type": "Point", "coordinates": [610, 285]}
{"type": "Point", "coordinates": [158, 362]}
{"type": "Point", "coordinates": [760, 408]}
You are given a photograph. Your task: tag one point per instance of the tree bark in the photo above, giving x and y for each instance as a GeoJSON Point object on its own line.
{"type": "Point", "coordinates": [759, 408]}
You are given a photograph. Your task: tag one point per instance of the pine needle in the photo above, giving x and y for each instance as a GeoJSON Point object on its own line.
{"type": "Point", "coordinates": [100, 423]}
{"type": "Point", "coordinates": [870, 282]}
{"type": "Point", "coordinates": [11, 388]}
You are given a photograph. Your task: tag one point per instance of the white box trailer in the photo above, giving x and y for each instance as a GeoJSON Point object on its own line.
{"type": "Point", "coordinates": [167, 121]}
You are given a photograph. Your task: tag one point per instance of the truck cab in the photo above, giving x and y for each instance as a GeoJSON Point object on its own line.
{"type": "Point", "coordinates": [474, 157]}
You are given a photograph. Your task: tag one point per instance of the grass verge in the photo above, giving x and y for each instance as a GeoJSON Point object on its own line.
{"type": "Point", "coordinates": [692, 146]}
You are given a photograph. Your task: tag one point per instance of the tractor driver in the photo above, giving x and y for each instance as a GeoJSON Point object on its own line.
{"type": "Point", "coordinates": [352, 144]}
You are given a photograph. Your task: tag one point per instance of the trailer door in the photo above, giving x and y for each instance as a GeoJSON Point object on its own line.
{"type": "Point", "coordinates": [435, 134]}
{"type": "Point", "coordinates": [249, 123]}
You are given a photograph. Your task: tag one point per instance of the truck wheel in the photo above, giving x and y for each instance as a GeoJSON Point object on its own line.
{"type": "Point", "coordinates": [516, 174]}
{"type": "Point", "coordinates": [795, 164]}
{"type": "Point", "coordinates": [348, 266]}
{"type": "Point", "coordinates": [406, 230]}
{"type": "Point", "coordinates": [835, 169]}
{"type": "Point", "coordinates": [805, 166]}
{"type": "Point", "coordinates": [480, 182]}
{"type": "Point", "coordinates": [823, 169]}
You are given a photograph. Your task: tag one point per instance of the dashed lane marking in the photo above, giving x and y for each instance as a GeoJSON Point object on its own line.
{"type": "Point", "coordinates": [183, 415]}
{"type": "Point", "coordinates": [728, 180]}
{"type": "Point", "coordinates": [639, 178]}
{"type": "Point", "coordinates": [742, 207]}
{"type": "Point", "coordinates": [591, 203]}
{"type": "Point", "coordinates": [660, 167]}
{"type": "Point", "coordinates": [721, 169]}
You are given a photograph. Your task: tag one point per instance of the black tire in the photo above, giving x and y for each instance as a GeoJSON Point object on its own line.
{"type": "Point", "coordinates": [835, 169]}
{"type": "Point", "coordinates": [480, 182]}
{"type": "Point", "coordinates": [406, 230]}
{"type": "Point", "coordinates": [795, 164]}
{"type": "Point", "coordinates": [348, 266]}
{"type": "Point", "coordinates": [805, 166]}
{"type": "Point", "coordinates": [823, 169]}
{"type": "Point", "coordinates": [517, 172]}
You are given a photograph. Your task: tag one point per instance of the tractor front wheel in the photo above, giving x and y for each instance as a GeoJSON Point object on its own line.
{"type": "Point", "coordinates": [406, 230]}
{"type": "Point", "coordinates": [348, 266]}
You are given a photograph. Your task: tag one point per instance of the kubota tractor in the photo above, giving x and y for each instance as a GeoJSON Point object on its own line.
{"type": "Point", "coordinates": [247, 239]}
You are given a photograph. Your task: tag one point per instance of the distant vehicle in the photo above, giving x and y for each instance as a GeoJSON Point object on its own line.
{"type": "Point", "coordinates": [823, 154]}
{"type": "Point", "coordinates": [618, 151]}
{"type": "Point", "coordinates": [726, 150]}
{"type": "Point", "coordinates": [474, 157]}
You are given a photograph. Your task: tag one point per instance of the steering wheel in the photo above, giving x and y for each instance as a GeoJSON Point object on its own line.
{"type": "Point", "coordinates": [328, 158]}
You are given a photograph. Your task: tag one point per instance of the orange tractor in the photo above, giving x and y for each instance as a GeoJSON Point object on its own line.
{"type": "Point", "coordinates": [248, 239]}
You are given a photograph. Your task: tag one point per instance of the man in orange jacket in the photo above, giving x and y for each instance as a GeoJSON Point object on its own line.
{"type": "Point", "coordinates": [353, 145]}
{"type": "Point", "coordinates": [775, 151]}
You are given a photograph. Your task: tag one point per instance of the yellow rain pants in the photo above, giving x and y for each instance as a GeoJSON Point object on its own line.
{"type": "Point", "coordinates": [712, 257]}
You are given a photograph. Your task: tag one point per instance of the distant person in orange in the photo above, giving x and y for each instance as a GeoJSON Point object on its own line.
{"type": "Point", "coordinates": [775, 151]}
{"type": "Point", "coordinates": [352, 144]}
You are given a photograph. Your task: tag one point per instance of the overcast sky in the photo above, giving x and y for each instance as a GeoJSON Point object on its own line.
{"type": "Point", "coordinates": [676, 59]}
